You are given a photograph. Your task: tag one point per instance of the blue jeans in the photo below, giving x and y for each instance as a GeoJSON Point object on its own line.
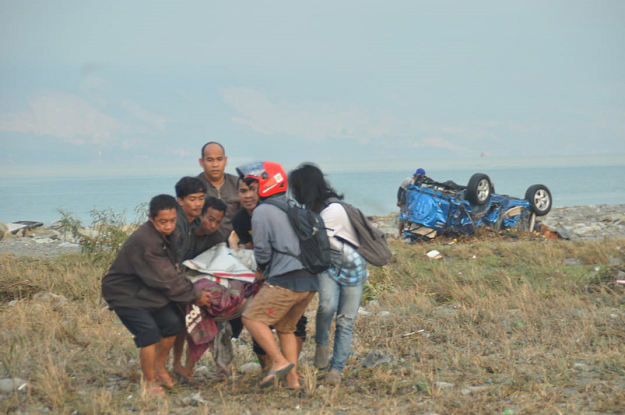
{"type": "Point", "coordinates": [342, 301]}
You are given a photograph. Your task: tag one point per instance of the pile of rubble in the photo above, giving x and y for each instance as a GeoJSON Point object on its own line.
{"type": "Point", "coordinates": [36, 240]}
{"type": "Point", "coordinates": [572, 222]}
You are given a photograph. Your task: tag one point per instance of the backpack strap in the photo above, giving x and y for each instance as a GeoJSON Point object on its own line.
{"type": "Point", "coordinates": [331, 200]}
{"type": "Point", "coordinates": [362, 219]}
{"type": "Point", "coordinates": [285, 208]}
{"type": "Point", "coordinates": [282, 206]}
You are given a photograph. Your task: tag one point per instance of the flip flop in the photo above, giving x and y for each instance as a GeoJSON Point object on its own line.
{"type": "Point", "coordinates": [272, 375]}
{"type": "Point", "coordinates": [164, 380]}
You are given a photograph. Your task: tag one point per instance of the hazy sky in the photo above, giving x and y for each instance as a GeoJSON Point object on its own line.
{"type": "Point", "coordinates": [142, 85]}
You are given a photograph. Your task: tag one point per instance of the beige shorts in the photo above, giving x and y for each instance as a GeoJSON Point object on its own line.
{"type": "Point", "coordinates": [279, 307]}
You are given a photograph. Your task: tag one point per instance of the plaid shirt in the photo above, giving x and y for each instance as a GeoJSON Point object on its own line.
{"type": "Point", "coordinates": [348, 266]}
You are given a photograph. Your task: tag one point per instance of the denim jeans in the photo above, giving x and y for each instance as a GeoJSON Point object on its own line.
{"type": "Point", "coordinates": [342, 301]}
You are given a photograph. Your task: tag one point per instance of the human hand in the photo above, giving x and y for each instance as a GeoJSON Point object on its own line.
{"type": "Point", "coordinates": [233, 241]}
{"type": "Point", "coordinates": [399, 204]}
{"type": "Point", "coordinates": [205, 299]}
{"type": "Point", "coordinates": [259, 275]}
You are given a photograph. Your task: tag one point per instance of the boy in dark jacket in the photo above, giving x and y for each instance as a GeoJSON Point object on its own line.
{"type": "Point", "coordinates": [142, 285]}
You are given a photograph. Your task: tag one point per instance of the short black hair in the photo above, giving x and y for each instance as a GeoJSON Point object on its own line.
{"type": "Point", "coordinates": [162, 202]}
{"type": "Point", "coordinates": [189, 185]}
{"type": "Point", "coordinates": [213, 202]}
{"type": "Point", "coordinates": [213, 142]}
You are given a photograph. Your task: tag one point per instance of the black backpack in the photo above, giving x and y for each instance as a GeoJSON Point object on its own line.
{"type": "Point", "coordinates": [314, 244]}
{"type": "Point", "coordinates": [373, 246]}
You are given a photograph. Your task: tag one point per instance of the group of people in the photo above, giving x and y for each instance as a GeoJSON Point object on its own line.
{"type": "Point", "coordinates": [148, 290]}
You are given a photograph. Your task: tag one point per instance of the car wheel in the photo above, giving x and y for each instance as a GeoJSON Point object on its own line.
{"type": "Point", "coordinates": [540, 198]}
{"type": "Point", "coordinates": [478, 189]}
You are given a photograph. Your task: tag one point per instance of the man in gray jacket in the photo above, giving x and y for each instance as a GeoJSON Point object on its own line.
{"type": "Point", "coordinates": [142, 285]}
{"type": "Point", "coordinates": [218, 183]}
{"type": "Point", "coordinates": [288, 287]}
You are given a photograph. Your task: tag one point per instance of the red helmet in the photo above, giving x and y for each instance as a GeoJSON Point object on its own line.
{"type": "Point", "coordinates": [270, 176]}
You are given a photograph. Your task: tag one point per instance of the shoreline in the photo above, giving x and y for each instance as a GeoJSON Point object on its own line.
{"type": "Point", "coordinates": [618, 206]}
{"type": "Point", "coordinates": [584, 222]}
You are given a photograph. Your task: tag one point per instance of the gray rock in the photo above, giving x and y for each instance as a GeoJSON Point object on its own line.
{"type": "Point", "coordinates": [49, 298]}
{"type": "Point", "coordinates": [9, 385]}
{"type": "Point", "coordinates": [51, 233]}
{"type": "Point", "coordinates": [572, 261]}
{"type": "Point", "coordinates": [250, 367]}
{"type": "Point", "coordinates": [446, 311]}
{"type": "Point", "coordinates": [196, 397]}
{"type": "Point", "coordinates": [384, 314]}
{"type": "Point", "coordinates": [44, 240]}
{"type": "Point", "coordinates": [68, 245]}
{"type": "Point", "coordinates": [563, 232]}
{"type": "Point", "coordinates": [472, 389]}
{"type": "Point", "coordinates": [587, 229]}
{"type": "Point", "coordinates": [376, 358]}
{"type": "Point", "coordinates": [588, 222]}
{"type": "Point", "coordinates": [363, 312]}
{"type": "Point", "coordinates": [583, 367]}
{"type": "Point", "coordinates": [373, 303]}
{"type": "Point", "coordinates": [443, 385]}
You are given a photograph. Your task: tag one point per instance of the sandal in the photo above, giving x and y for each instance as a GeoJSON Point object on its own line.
{"type": "Point", "coordinates": [274, 375]}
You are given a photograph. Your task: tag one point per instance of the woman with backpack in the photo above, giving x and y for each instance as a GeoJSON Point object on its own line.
{"type": "Point", "coordinates": [342, 285]}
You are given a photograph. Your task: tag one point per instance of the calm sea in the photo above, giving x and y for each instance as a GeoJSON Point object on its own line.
{"type": "Point", "coordinates": [38, 199]}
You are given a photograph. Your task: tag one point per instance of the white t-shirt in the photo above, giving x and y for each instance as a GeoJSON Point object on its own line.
{"type": "Point", "coordinates": [338, 224]}
{"type": "Point", "coordinates": [404, 185]}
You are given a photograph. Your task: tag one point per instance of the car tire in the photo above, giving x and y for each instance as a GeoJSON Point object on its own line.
{"type": "Point", "coordinates": [479, 189]}
{"type": "Point", "coordinates": [540, 199]}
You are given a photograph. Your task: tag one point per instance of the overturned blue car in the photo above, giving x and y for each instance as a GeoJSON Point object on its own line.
{"type": "Point", "coordinates": [435, 208]}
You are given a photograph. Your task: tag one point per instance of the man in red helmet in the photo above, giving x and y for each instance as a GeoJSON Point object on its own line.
{"type": "Point", "coordinates": [288, 286]}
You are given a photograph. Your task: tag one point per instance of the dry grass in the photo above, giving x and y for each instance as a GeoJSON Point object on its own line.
{"type": "Point", "coordinates": [502, 325]}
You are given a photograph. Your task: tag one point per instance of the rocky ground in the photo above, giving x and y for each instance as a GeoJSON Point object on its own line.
{"type": "Point", "coordinates": [575, 222]}
{"type": "Point", "coordinates": [41, 242]}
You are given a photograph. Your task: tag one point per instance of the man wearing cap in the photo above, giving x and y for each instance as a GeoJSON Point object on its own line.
{"type": "Point", "coordinates": [401, 196]}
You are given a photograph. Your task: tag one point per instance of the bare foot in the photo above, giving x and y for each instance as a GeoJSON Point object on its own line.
{"type": "Point", "coordinates": [152, 390]}
{"type": "Point", "coordinates": [292, 380]}
{"type": "Point", "coordinates": [223, 373]}
{"type": "Point", "coordinates": [183, 372]}
{"type": "Point", "coordinates": [293, 385]}
{"type": "Point", "coordinates": [164, 380]}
